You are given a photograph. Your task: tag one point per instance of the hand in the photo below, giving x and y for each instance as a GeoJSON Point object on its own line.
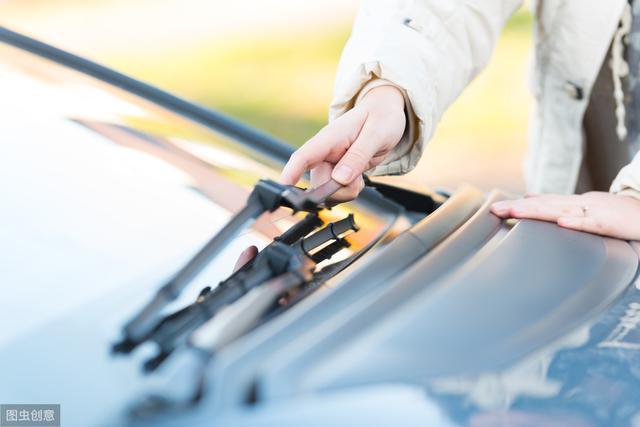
{"type": "Point", "coordinates": [353, 143]}
{"type": "Point", "coordinates": [245, 256]}
{"type": "Point", "coordinates": [601, 213]}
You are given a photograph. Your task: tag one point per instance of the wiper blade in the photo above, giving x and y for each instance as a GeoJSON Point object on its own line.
{"type": "Point", "coordinates": [267, 195]}
{"type": "Point", "coordinates": [275, 260]}
{"type": "Point", "coordinates": [237, 319]}
{"type": "Point", "coordinates": [188, 384]}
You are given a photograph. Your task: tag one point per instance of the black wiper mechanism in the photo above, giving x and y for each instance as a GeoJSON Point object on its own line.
{"type": "Point", "coordinates": [275, 260]}
{"type": "Point", "coordinates": [267, 196]}
{"type": "Point", "coordinates": [234, 307]}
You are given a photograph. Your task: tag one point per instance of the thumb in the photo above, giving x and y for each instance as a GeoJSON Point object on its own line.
{"type": "Point", "coordinates": [353, 164]}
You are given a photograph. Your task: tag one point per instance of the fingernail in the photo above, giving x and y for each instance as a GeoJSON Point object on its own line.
{"type": "Point", "coordinates": [343, 174]}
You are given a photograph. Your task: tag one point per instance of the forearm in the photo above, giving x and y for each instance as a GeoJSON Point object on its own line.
{"type": "Point", "coordinates": [431, 50]}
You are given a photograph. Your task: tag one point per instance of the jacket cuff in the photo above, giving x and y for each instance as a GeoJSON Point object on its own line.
{"type": "Point", "coordinates": [627, 183]}
{"type": "Point", "coordinates": [370, 57]}
{"type": "Point", "coordinates": [401, 159]}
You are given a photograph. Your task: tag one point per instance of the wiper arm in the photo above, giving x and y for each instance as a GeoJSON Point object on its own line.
{"type": "Point", "coordinates": [300, 229]}
{"type": "Point", "coordinates": [188, 383]}
{"type": "Point", "coordinates": [237, 319]}
{"type": "Point", "coordinates": [186, 386]}
{"type": "Point", "coordinates": [275, 260]}
{"type": "Point", "coordinates": [267, 196]}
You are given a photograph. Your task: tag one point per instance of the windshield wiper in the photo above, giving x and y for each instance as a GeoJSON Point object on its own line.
{"type": "Point", "coordinates": [188, 381]}
{"type": "Point", "coordinates": [275, 260]}
{"type": "Point", "coordinates": [267, 196]}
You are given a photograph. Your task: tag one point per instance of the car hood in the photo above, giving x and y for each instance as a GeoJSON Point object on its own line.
{"type": "Point", "coordinates": [105, 194]}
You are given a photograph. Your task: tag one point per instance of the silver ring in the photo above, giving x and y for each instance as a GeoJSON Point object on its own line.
{"type": "Point", "coordinates": [585, 210]}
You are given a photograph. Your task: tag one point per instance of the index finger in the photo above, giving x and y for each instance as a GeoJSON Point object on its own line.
{"type": "Point", "coordinates": [303, 159]}
{"type": "Point", "coordinates": [343, 131]}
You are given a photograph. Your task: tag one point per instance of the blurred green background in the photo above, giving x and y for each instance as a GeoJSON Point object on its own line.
{"type": "Point", "coordinates": [271, 63]}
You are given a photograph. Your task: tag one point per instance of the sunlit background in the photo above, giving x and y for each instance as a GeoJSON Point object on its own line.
{"type": "Point", "coordinates": [271, 63]}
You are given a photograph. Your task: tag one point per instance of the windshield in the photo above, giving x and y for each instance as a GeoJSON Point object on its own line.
{"type": "Point", "coordinates": [102, 190]}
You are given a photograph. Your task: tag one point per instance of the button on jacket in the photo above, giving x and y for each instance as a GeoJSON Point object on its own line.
{"type": "Point", "coordinates": [432, 49]}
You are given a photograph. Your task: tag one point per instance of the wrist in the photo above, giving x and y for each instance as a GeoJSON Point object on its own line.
{"type": "Point", "coordinates": [628, 192]}
{"type": "Point", "coordinates": [385, 96]}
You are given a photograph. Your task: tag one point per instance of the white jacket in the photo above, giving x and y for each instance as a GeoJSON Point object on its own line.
{"type": "Point", "coordinates": [433, 48]}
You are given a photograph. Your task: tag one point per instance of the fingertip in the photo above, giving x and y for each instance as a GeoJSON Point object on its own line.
{"type": "Point", "coordinates": [500, 214]}
{"type": "Point", "coordinates": [245, 256]}
{"type": "Point", "coordinates": [303, 159]}
{"type": "Point", "coordinates": [520, 212]}
{"type": "Point", "coordinates": [500, 209]}
{"type": "Point", "coordinates": [286, 180]}
{"type": "Point", "coordinates": [289, 175]}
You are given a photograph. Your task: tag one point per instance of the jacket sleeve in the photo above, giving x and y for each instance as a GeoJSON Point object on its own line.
{"type": "Point", "coordinates": [627, 183]}
{"type": "Point", "coordinates": [431, 49]}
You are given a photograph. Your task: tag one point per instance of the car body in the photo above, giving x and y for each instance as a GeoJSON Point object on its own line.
{"type": "Point", "coordinates": [439, 314]}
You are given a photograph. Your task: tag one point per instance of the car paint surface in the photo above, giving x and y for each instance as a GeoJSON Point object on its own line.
{"type": "Point", "coordinates": [105, 194]}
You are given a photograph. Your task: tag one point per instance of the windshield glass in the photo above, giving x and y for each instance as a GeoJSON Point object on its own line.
{"type": "Point", "coordinates": [102, 190]}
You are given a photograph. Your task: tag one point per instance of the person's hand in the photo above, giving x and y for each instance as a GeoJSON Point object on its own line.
{"type": "Point", "coordinates": [601, 213]}
{"type": "Point", "coordinates": [244, 257]}
{"type": "Point", "coordinates": [353, 143]}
